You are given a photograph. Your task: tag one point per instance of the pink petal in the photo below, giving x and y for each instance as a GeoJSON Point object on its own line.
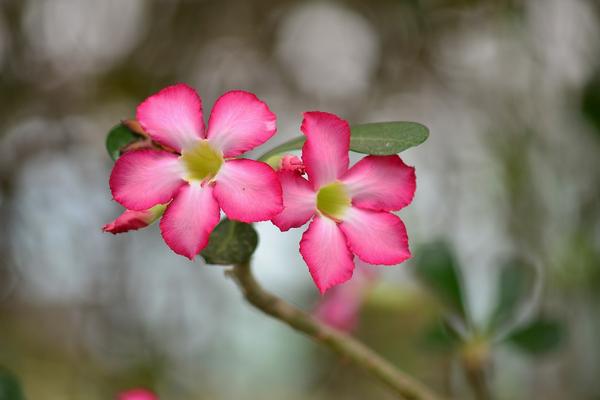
{"type": "Point", "coordinates": [376, 237]}
{"type": "Point", "coordinates": [132, 220]}
{"type": "Point", "coordinates": [137, 394]}
{"type": "Point", "coordinates": [173, 116]}
{"type": "Point", "coordinates": [299, 201]}
{"type": "Point", "coordinates": [239, 122]}
{"type": "Point", "coordinates": [248, 190]}
{"type": "Point", "coordinates": [141, 179]}
{"type": "Point", "coordinates": [380, 183]}
{"type": "Point", "coordinates": [323, 247]}
{"type": "Point", "coordinates": [325, 153]}
{"type": "Point", "coordinates": [189, 219]}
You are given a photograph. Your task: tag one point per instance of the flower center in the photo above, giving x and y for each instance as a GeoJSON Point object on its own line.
{"type": "Point", "coordinates": [201, 162]}
{"type": "Point", "coordinates": [333, 200]}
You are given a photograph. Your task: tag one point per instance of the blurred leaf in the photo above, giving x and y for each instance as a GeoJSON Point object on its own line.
{"type": "Point", "coordinates": [437, 268]}
{"type": "Point", "coordinates": [515, 283]}
{"type": "Point", "coordinates": [538, 337]}
{"type": "Point", "coordinates": [231, 242]}
{"type": "Point", "coordinates": [379, 138]}
{"type": "Point", "coordinates": [118, 138]}
{"type": "Point", "coordinates": [10, 388]}
{"type": "Point", "coordinates": [590, 102]}
{"type": "Point", "coordinates": [441, 337]}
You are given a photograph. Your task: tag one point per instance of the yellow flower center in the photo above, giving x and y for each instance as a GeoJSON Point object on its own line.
{"type": "Point", "coordinates": [202, 162]}
{"type": "Point", "coordinates": [333, 200]}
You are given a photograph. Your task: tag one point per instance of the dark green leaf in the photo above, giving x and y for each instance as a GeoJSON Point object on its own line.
{"type": "Point", "coordinates": [230, 243]}
{"type": "Point", "coordinates": [538, 337]}
{"type": "Point", "coordinates": [590, 102]}
{"type": "Point", "coordinates": [436, 267]}
{"type": "Point", "coordinates": [10, 388]}
{"type": "Point", "coordinates": [379, 138]}
{"type": "Point", "coordinates": [118, 138]}
{"type": "Point", "coordinates": [515, 284]}
{"type": "Point", "coordinates": [441, 337]}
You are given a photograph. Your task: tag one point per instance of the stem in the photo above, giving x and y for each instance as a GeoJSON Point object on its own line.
{"type": "Point", "coordinates": [402, 384]}
{"type": "Point", "coordinates": [476, 362]}
{"type": "Point", "coordinates": [477, 380]}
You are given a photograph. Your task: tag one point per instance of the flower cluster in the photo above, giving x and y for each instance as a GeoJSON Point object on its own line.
{"type": "Point", "coordinates": [196, 173]}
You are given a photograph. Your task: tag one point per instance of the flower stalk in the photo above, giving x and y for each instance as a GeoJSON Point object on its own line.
{"type": "Point", "coordinates": [403, 385]}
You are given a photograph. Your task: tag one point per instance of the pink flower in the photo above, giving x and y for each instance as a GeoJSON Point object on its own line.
{"type": "Point", "coordinates": [349, 208]}
{"type": "Point", "coordinates": [132, 220]}
{"type": "Point", "coordinates": [137, 394]}
{"type": "Point", "coordinates": [201, 175]}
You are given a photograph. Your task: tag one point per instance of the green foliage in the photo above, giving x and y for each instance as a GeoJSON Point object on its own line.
{"type": "Point", "coordinates": [10, 388]}
{"type": "Point", "coordinates": [440, 337]}
{"type": "Point", "coordinates": [231, 242]}
{"type": "Point", "coordinates": [514, 286]}
{"type": "Point", "coordinates": [118, 138]}
{"type": "Point", "coordinates": [538, 337]}
{"type": "Point", "coordinates": [379, 138]}
{"type": "Point", "coordinates": [290, 145]}
{"type": "Point", "coordinates": [436, 267]}
{"type": "Point", "coordinates": [385, 138]}
{"type": "Point", "coordinates": [590, 102]}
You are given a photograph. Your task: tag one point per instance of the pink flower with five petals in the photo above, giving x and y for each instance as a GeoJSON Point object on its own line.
{"type": "Point", "coordinates": [200, 175]}
{"type": "Point", "coordinates": [349, 208]}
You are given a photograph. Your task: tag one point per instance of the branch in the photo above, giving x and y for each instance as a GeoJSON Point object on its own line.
{"type": "Point", "coordinates": [403, 385]}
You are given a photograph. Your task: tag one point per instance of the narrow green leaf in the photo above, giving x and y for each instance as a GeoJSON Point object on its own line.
{"type": "Point", "coordinates": [436, 267]}
{"type": "Point", "coordinates": [118, 138]}
{"type": "Point", "coordinates": [290, 145]}
{"type": "Point", "coordinates": [538, 337]}
{"type": "Point", "coordinates": [10, 388]}
{"type": "Point", "coordinates": [231, 242]}
{"type": "Point", "coordinates": [515, 284]}
{"type": "Point", "coordinates": [379, 138]}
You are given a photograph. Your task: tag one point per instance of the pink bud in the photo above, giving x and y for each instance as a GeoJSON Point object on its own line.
{"type": "Point", "coordinates": [292, 163]}
{"type": "Point", "coordinates": [340, 307]}
{"type": "Point", "coordinates": [137, 394]}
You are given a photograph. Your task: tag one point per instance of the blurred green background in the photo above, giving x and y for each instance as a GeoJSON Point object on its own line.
{"type": "Point", "coordinates": [505, 223]}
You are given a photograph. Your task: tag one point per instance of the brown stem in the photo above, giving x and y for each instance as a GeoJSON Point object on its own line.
{"type": "Point", "coordinates": [476, 362]}
{"type": "Point", "coordinates": [403, 385]}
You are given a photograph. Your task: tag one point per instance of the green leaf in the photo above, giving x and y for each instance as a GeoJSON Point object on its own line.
{"type": "Point", "coordinates": [231, 242]}
{"type": "Point", "coordinates": [10, 388]}
{"type": "Point", "coordinates": [290, 145]}
{"type": "Point", "coordinates": [538, 337]}
{"type": "Point", "coordinates": [436, 267]}
{"type": "Point", "coordinates": [118, 138]}
{"type": "Point", "coordinates": [440, 337]}
{"type": "Point", "coordinates": [378, 138]}
{"type": "Point", "coordinates": [590, 101]}
{"type": "Point", "coordinates": [386, 138]}
{"type": "Point", "coordinates": [515, 284]}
